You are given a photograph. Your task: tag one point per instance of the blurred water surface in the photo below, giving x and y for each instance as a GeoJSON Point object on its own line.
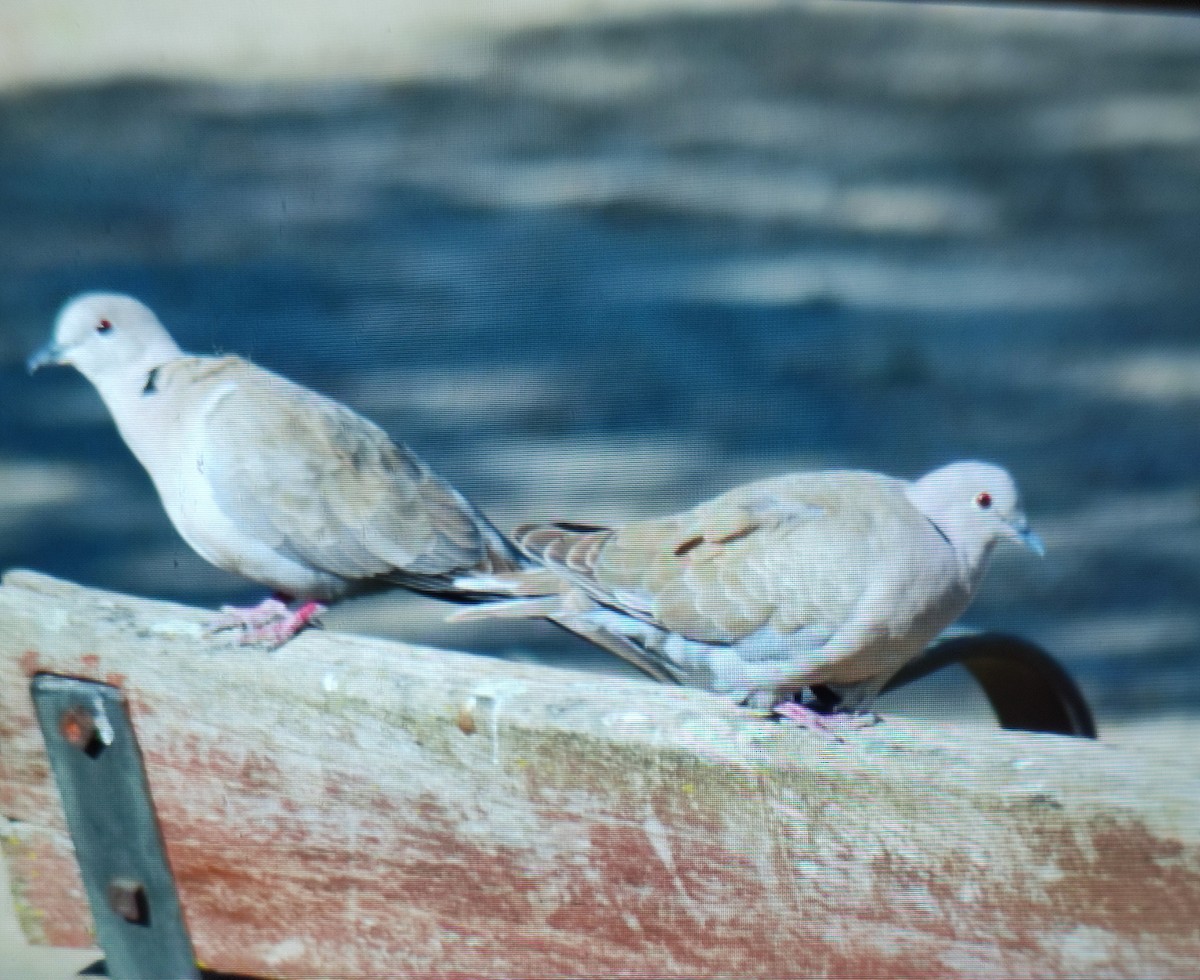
{"type": "Point", "coordinates": [603, 270]}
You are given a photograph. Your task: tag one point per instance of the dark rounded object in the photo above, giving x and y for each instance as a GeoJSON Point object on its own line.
{"type": "Point", "coordinates": [1027, 688]}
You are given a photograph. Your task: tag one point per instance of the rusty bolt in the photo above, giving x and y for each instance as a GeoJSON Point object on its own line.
{"type": "Point", "coordinates": [78, 726]}
{"type": "Point", "coordinates": [88, 729]}
{"type": "Point", "coordinates": [466, 717]}
{"type": "Point", "coordinates": [127, 897]}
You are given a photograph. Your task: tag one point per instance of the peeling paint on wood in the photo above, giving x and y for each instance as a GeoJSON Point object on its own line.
{"type": "Point", "coordinates": [356, 807]}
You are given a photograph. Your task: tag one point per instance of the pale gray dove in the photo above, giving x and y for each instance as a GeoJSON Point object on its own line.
{"type": "Point", "coordinates": [267, 479]}
{"type": "Point", "coordinates": [833, 579]}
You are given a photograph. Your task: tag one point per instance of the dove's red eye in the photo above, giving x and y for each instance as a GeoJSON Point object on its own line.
{"type": "Point", "coordinates": [983, 500]}
{"type": "Point", "coordinates": [104, 326]}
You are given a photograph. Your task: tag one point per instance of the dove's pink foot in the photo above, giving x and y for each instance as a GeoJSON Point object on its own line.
{"type": "Point", "coordinates": [248, 617]}
{"type": "Point", "coordinates": [828, 725]}
{"type": "Point", "coordinates": [269, 622]}
{"type": "Point", "coordinates": [278, 631]}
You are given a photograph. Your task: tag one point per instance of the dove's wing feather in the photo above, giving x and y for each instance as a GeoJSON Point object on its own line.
{"type": "Point", "coordinates": [322, 485]}
{"type": "Point", "coordinates": [793, 553]}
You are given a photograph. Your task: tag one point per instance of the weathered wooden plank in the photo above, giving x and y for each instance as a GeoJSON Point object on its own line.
{"type": "Point", "coordinates": [355, 807]}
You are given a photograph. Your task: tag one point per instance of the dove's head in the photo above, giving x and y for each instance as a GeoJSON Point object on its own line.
{"type": "Point", "coordinates": [107, 336]}
{"type": "Point", "coordinates": [974, 505]}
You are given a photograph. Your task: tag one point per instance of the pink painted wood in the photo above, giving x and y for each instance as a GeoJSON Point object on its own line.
{"type": "Point", "coordinates": [351, 807]}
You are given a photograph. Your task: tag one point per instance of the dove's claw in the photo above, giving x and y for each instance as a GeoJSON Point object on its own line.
{"type": "Point", "coordinates": [270, 622]}
{"type": "Point", "coordinates": [249, 617]}
{"type": "Point", "coordinates": [829, 725]}
{"type": "Point", "coordinates": [806, 717]}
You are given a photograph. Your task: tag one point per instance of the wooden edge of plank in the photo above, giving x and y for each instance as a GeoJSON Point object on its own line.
{"type": "Point", "coordinates": [363, 762]}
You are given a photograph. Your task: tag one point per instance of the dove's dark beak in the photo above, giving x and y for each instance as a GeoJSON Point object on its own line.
{"type": "Point", "coordinates": [51, 353]}
{"type": "Point", "coordinates": [1024, 534]}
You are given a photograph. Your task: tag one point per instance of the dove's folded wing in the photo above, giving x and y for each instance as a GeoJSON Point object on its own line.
{"type": "Point", "coordinates": [324, 486]}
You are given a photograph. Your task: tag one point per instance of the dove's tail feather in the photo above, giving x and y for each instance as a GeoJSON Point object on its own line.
{"type": "Point", "coordinates": [543, 607]}
{"type": "Point", "coordinates": [545, 592]}
{"type": "Point", "coordinates": [540, 565]}
{"type": "Point", "coordinates": [625, 647]}
{"type": "Point", "coordinates": [497, 573]}
{"type": "Point", "coordinates": [502, 554]}
{"type": "Point", "coordinates": [559, 610]}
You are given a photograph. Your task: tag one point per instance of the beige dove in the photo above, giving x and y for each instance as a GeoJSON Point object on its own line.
{"type": "Point", "coordinates": [830, 578]}
{"type": "Point", "coordinates": [270, 480]}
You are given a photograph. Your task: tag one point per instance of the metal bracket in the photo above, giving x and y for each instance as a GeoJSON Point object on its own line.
{"type": "Point", "coordinates": [98, 767]}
